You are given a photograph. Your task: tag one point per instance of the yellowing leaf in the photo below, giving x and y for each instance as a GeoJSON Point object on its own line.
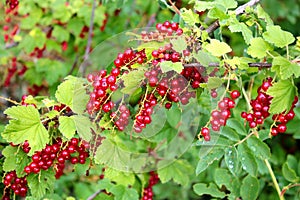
{"type": "Point", "coordinates": [258, 48]}
{"type": "Point", "coordinates": [217, 48]}
{"type": "Point", "coordinates": [278, 37]}
{"type": "Point", "coordinates": [25, 125]}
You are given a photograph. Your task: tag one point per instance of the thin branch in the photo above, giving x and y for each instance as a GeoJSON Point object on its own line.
{"type": "Point", "coordinates": [93, 196]}
{"type": "Point", "coordinates": [89, 43]}
{"type": "Point", "coordinates": [174, 7]}
{"type": "Point", "coordinates": [11, 45]}
{"type": "Point", "coordinates": [238, 11]}
{"type": "Point", "coordinates": [215, 64]}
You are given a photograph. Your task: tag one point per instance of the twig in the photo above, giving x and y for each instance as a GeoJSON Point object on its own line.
{"type": "Point", "coordinates": [74, 65]}
{"type": "Point", "coordinates": [9, 100]}
{"type": "Point", "coordinates": [215, 64]}
{"type": "Point", "coordinates": [289, 187]}
{"type": "Point", "coordinates": [174, 7]}
{"type": "Point", "coordinates": [89, 43]}
{"type": "Point", "coordinates": [11, 45]}
{"type": "Point", "coordinates": [93, 196]}
{"type": "Point", "coordinates": [238, 11]}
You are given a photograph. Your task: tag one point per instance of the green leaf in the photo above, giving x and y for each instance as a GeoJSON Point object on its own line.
{"type": "Point", "coordinates": [41, 183]}
{"type": "Point", "coordinates": [15, 159]}
{"type": "Point", "coordinates": [84, 127]}
{"type": "Point", "coordinates": [231, 159]}
{"type": "Point", "coordinates": [283, 93]}
{"type": "Point", "coordinates": [217, 13]}
{"type": "Point", "coordinates": [204, 5]}
{"type": "Point", "coordinates": [223, 177]}
{"type": "Point", "coordinates": [237, 126]}
{"type": "Point", "coordinates": [247, 159]}
{"type": "Point", "coordinates": [230, 134]}
{"type": "Point", "coordinates": [75, 25]}
{"type": "Point", "coordinates": [27, 43]}
{"type": "Point", "coordinates": [189, 17]}
{"type": "Point", "coordinates": [110, 154]}
{"type": "Point", "coordinates": [132, 81]}
{"type": "Point", "coordinates": [205, 58]}
{"type": "Point", "coordinates": [241, 27]}
{"type": "Point", "coordinates": [120, 178]}
{"type": "Point", "coordinates": [67, 126]}
{"type": "Point", "coordinates": [60, 34]}
{"type": "Point", "coordinates": [174, 116]}
{"type": "Point", "coordinates": [124, 193]}
{"type": "Point", "coordinates": [261, 14]}
{"type": "Point", "coordinates": [179, 44]}
{"type": "Point", "coordinates": [167, 66]}
{"type": "Point", "coordinates": [201, 189]}
{"type": "Point", "coordinates": [204, 162]}
{"type": "Point", "coordinates": [227, 3]}
{"type": "Point", "coordinates": [289, 169]}
{"type": "Point", "coordinates": [285, 68]}
{"type": "Point", "coordinates": [24, 125]}
{"type": "Point", "coordinates": [258, 48]}
{"type": "Point", "coordinates": [39, 37]}
{"type": "Point", "coordinates": [72, 93]}
{"type": "Point", "coordinates": [259, 148]}
{"type": "Point", "coordinates": [178, 171]}
{"type": "Point", "coordinates": [249, 188]}
{"type": "Point", "coordinates": [214, 82]}
{"type": "Point", "coordinates": [278, 37]}
{"type": "Point", "coordinates": [217, 48]}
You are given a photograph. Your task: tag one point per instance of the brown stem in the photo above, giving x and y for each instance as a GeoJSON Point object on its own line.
{"type": "Point", "coordinates": [215, 64]}
{"type": "Point", "coordinates": [238, 11]}
{"type": "Point", "coordinates": [89, 43]}
{"type": "Point", "coordinates": [174, 7]}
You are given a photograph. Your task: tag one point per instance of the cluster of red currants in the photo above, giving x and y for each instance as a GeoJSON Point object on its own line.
{"type": "Point", "coordinates": [38, 52]}
{"type": "Point", "coordinates": [220, 116]}
{"type": "Point", "coordinates": [102, 83]}
{"type": "Point", "coordinates": [282, 118]}
{"type": "Point", "coordinates": [121, 117]}
{"type": "Point", "coordinates": [56, 155]}
{"type": "Point", "coordinates": [8, 37]}
{"type": "Point", "coordinates": [193, 75]}
{"type": "Point", "coordinates": [13, 70]}
{"type": "Point", "coordinates": [165, 53]}
{"type": "Point", "coordinates": [130, 57]}
{"type": "Point", "coordinates": [12, 3]}
{"type": "Point", "coordinates": [153, 180]}
{"type": "Point", "coordinates": [163, 30]}
{"type": "Point", "coordinates": [260, 105]}
{"type": "Point", "coordinates": [144, 114]}
{"type": "Point", "coordinates": [14, 183]}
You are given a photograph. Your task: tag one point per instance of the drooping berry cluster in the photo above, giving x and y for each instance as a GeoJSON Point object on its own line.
{"type": "Point", "coordinates": [260, 105]}
{"type": "Point", "coordinates": [193, 74]}
{"type": "Point", "coordinates": [121, 118]}
{"type": "Point", "coordinates": [103, 84]}
{"type": "Point", "coordinates": [14, 183]}
{"type": "Point", "coordinates": [12, 3]}
{"type": "Point", "coordinates": [170, 86]}
{"type": "Point", "coordinates": [144, 115]}
{"type": "Point", "coordinates": [38, 52]}
{"type": "Point", "coordinates": [220, 116]}
{"type": "Point", "coordinates": [130, 57]}
{"type": "Point", "coordinates": [84, 30]}
{"type": "Point", "coordinates": [165, 53]}
{"type": "Point", "coordinates": [8, 37]}
{"type": "Point", "coordinates": [162, 31]}
{"type": "Point", "coordinates": [148, 193]}
{"type": "Point", "coordinates": [56, 155]}
{"type": "Point", "coordinates": [282, 119]}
